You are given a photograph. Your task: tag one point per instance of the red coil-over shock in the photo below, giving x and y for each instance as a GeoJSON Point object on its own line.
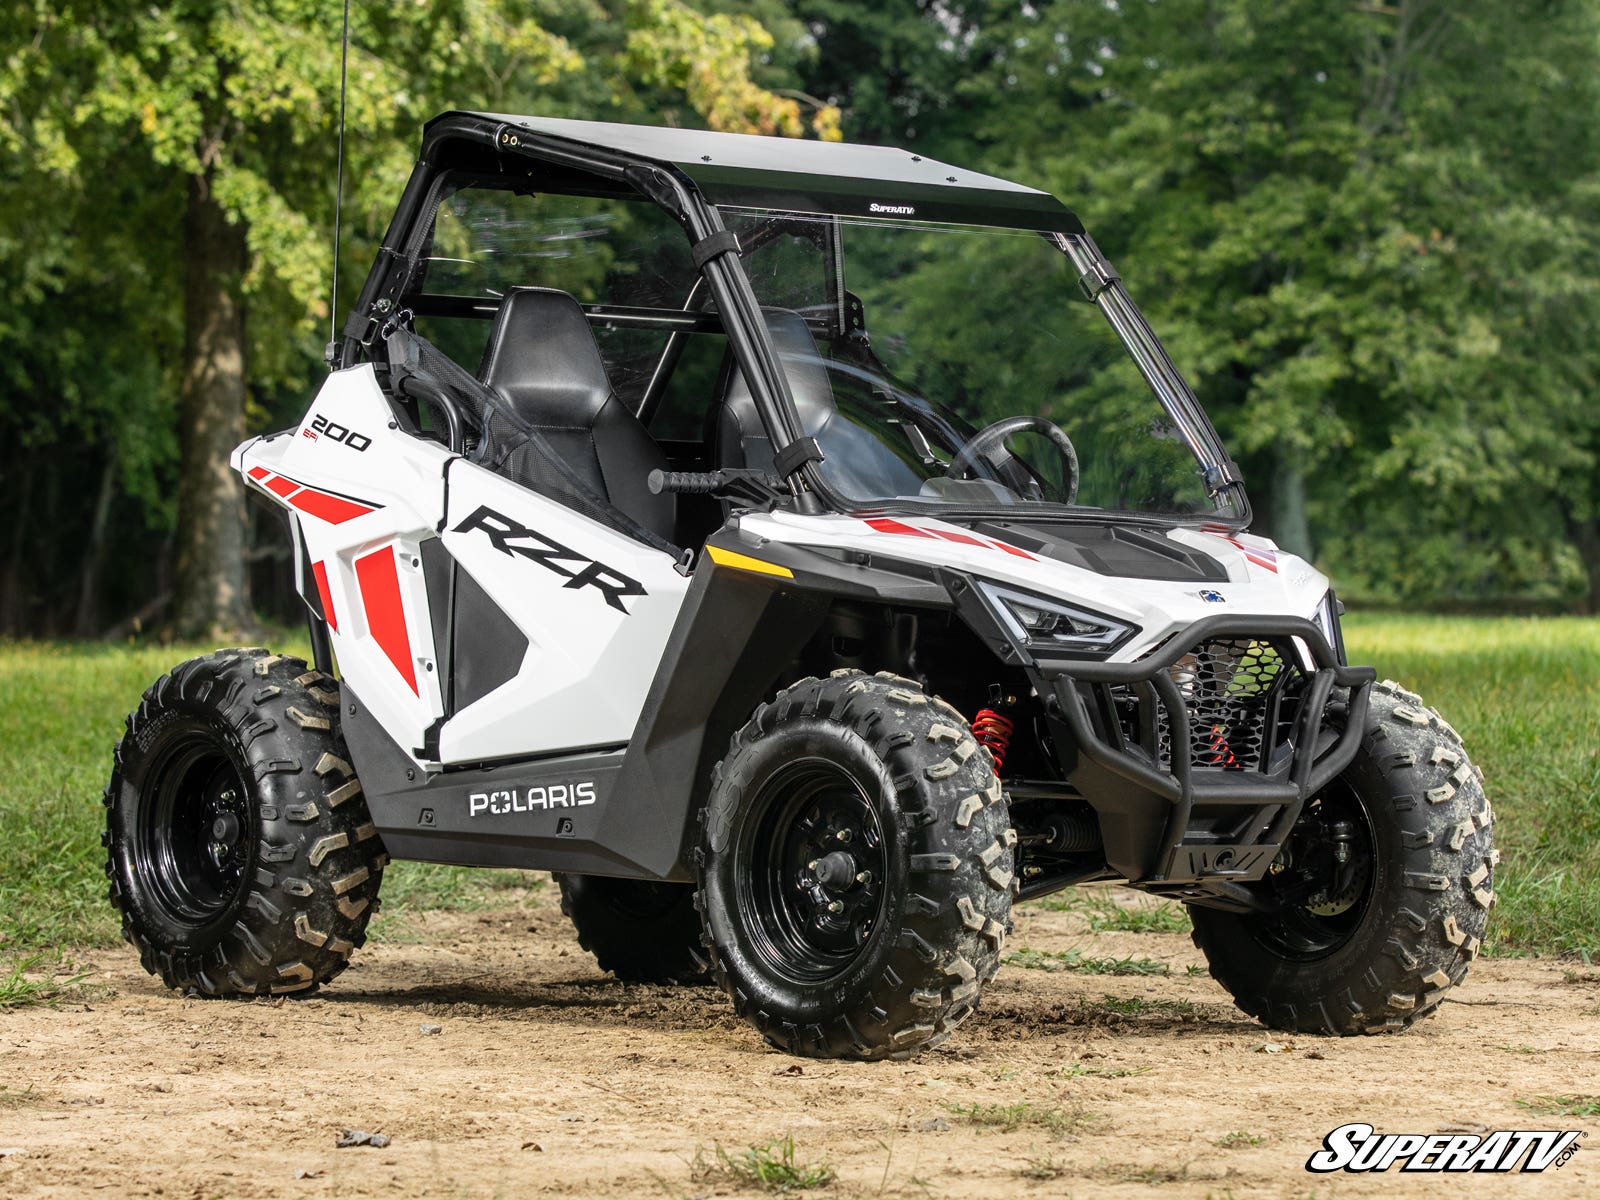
{"type": "Point", "coordinates": [993, 731]}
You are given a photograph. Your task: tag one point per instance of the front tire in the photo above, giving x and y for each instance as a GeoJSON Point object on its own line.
{"type": "Point", "coordinates": [239, 848]}
{"type": "Point", "coordinates": [1372, 943]}
{"type": "Point", "coordinates": [855, 869]}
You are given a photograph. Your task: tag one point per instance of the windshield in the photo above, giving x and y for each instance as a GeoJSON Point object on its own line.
{"type": "Point", "coordinates": [957, 366]}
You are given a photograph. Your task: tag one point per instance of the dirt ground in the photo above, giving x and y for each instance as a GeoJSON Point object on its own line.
{"type": "Point", "coordinates": [548, 1078]}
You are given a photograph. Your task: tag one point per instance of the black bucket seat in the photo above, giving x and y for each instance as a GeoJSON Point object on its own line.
{"type": "Point", "coordinates": [543, 364]}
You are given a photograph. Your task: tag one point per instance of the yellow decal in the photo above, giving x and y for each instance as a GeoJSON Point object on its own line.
{"type": "Point", "coordinates": [728, 558]}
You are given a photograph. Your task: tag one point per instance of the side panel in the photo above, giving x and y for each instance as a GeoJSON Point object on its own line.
{"type": "Point", "coordinates": [366, 497]}
{"type": "Point", "coordinates": [595, 606]}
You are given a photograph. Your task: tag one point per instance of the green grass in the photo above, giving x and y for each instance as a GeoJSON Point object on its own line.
{"type": "Point", "coordinates": [61, 711]}
{"type": "Point", "coordinates": [1239, 1139]}
{"type": "Point", "coordinates": [1079, 1069]}
{"type": "Point", "coordinates": [37, 979]}
{"type": "Point", "coordinates": [1085, 964]}
{"type": "Point", "coordinates": [1105, 915]}
{"type": "Point", "coordinates": [1525, 695]}
{"type": "Point", "coordinates": [1563, 1106]}
{"type": "Point", "coordinates": [768, 1168]}
{"type": "Point", "coordinates": [1022, 1114]}
{"type": "Point", "coordinates": [1524, 692]}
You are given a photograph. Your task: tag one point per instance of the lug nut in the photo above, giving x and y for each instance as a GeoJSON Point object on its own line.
{"type": "Point", "coordinates": [812, 865]}
{"type": "Point", "coordinates": [844, 835]}
{"type": "Point", "coordinates": [864, 877]}
{"type": "Point", "coordinates": [836, 906]}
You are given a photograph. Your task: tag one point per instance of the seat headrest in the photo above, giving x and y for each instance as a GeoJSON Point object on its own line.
{"type": "Point", "coordinates": [802, 362]}
{"type": "Point", "coordinates": [542, 359]}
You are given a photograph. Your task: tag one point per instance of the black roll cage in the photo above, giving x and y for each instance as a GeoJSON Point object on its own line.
{"type": "Point", "coordinates": [480, 143]}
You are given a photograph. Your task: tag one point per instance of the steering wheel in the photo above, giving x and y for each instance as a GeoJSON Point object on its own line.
{"type": "Point", "coordinates": [993, 437]}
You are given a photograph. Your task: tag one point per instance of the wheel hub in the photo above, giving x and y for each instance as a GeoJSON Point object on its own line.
{"type": "Point", "coordinates": [837, 871]}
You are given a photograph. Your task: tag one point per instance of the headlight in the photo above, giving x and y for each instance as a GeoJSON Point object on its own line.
{"type": "Point", "coordinates": [1043, 624]}
{"type": "Point", "coordinates": [1327, 620]}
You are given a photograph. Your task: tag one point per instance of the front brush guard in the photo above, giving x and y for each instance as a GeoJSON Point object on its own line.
{"type": "Point", "coordinates": [1146, 810]}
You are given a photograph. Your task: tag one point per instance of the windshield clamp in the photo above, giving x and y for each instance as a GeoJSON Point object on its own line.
{"type": "Point", "coordinates": [1097, 279]}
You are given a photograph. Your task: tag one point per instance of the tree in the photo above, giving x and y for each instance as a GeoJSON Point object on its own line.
{"type": "Point", "coordinates": [1360, 228]}
{"type": "Point", "coordinates": [233, 107]}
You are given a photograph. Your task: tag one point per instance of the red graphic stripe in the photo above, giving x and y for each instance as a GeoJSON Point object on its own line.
{"type": "Point", "coordinates": [321, 573]}
{"type": "Point", "coordinates": [335, 510]}
{"type": "Point", "coordinates": [325, 506]}
{"type": "Point", "coordinates": [386, 612]}
{"type": "Point", "coordinates": [889, 525]}
{"type": "Point", "coordinates": [1261, 558]}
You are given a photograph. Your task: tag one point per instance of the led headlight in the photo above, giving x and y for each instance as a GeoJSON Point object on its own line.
{"type": "Point", "coordinates": [1327, 620]}
{"type": "Point", "coordinates": [1043, 624]}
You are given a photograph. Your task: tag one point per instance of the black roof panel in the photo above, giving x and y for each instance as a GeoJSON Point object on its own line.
{"type": "Point", "coordinates": [805, 176]}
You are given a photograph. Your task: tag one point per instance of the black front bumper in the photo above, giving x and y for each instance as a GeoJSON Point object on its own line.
{"type": "Point", "coordinates": [1196, 777]}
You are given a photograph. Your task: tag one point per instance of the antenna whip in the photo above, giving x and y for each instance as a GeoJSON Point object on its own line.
{"type": "Point", "coordinates": [332, 354]}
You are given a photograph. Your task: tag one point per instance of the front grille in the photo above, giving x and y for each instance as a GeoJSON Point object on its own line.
{"type": "Point", "coordinates": [1242, 698]}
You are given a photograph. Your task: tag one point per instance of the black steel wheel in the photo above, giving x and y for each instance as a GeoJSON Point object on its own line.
{"type": "Point", "coordinates": [855, 869]}
{"type": "Point", "coordinates": [189, 842]}
{"type": "Point", "coordinates": [1381, 898]}
{"type": "Point", "coordinates": [640, 931]}
{"type": "Point", "coordinates": [816, 864]}
{"type": "Point", "coordinates": [239, 848]}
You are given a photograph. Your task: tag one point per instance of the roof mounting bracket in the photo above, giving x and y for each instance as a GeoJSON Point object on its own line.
{"type": "Point", "coordinates": [1097, 279]}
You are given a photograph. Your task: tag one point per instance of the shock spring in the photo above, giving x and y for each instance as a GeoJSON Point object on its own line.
{"type": "Point", "coordinates": [993, 732]}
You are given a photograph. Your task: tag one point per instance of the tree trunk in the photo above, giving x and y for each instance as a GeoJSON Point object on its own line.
{"type": "Point", "coordinates": [211, 595]}
{"type": "Point", "coordinates": [13, 600]}
{"type": "Point", "coordinates": [85, 623]}
{"type": "Point", "coordinates": [1585, 535]}
{"type": "Point", "coordinates": [1289, 526]}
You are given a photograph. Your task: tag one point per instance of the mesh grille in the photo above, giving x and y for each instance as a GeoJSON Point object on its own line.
{"type": "Point", "coordinates": [1233, 689]}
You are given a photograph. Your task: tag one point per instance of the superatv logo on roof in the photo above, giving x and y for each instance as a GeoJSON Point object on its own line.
{"type": "Point", "coordinates": [1358, 1147]}
{"type": "Point", "coordinates": [892, 210]}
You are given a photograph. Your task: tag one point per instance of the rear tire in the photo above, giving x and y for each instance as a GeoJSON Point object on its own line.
{"type": "Point", "coordinates": [855, 868]}
{"type": "Point", "coordinates": [641, 932]}
{"type": "Point", "coordinates": [239, 848]}
{"type": "Point", "coordinates": [1380, 953]}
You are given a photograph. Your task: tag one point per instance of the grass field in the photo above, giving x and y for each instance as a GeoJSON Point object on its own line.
{"type": "Point", "coordinates": [1525, 694]}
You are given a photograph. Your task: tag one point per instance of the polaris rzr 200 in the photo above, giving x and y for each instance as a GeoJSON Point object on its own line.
{"type": "Point", "coordinates": [806, 552]}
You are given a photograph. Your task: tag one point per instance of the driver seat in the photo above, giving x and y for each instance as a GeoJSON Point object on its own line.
{"type": "Point", "coordinates": [544, 365]}
{"type": "Point", "coordinates": [859, 463]}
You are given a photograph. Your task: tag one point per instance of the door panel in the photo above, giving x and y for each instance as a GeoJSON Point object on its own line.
{"type": "Point", "coordinates": [595, 606]}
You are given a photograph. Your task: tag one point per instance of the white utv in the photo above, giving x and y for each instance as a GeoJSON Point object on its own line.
{"type": "Point", "coordinates": [684, 515]}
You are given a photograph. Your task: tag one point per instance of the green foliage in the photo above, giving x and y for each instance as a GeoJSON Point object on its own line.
{"type": "Point", "coordinates": [112, 118]}
{"type": "Point", "coordinates": [1363, 231]}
